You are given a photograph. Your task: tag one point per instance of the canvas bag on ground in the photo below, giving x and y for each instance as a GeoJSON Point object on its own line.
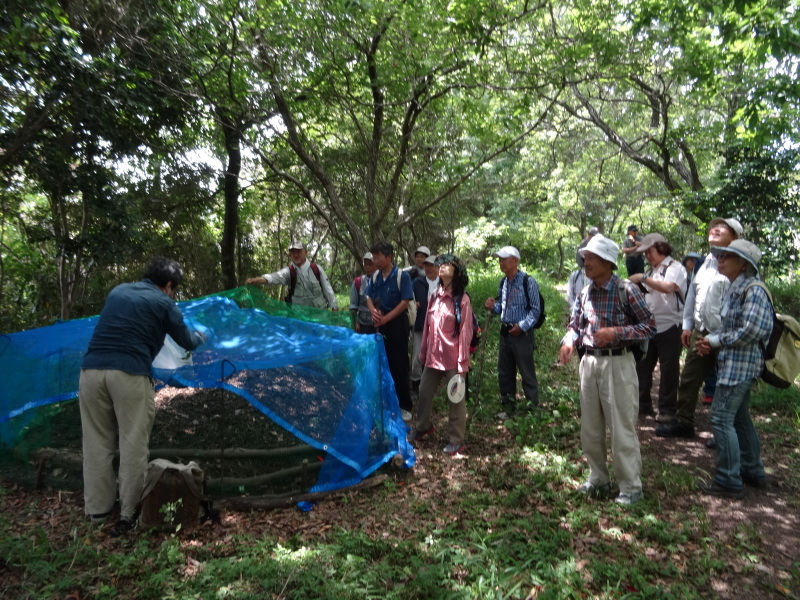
{"type": "Point", "coordinates": [782, 352]}
{"type": "Point", "coordinates": [168, 483]}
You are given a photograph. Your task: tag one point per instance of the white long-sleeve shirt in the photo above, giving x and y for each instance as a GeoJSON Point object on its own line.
{"type": "Point", "coordinates": [308, 291]}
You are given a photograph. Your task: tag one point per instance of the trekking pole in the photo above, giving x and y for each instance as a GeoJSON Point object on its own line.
{"type": "Point", "coordinates": [479, 381]}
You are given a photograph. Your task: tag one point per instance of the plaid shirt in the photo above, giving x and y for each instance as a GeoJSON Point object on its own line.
{"type": "Point", "coordinates": [746, 326]}
{"type": "Point", "coordinates": [604, 309]}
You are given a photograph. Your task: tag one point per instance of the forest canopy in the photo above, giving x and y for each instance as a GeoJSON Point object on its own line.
{"type": "Point", "coordinates": [215, 132]}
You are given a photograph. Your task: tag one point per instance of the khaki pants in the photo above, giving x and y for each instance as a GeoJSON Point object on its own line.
{"type": "Point", "coordinates": [429, 384]}
{"type": "Point", "coordinates": [115, 405]}
{"type": "Point", "coordinates": [695, 370]}
{"type": "Point", "coordinates": [610, 397]}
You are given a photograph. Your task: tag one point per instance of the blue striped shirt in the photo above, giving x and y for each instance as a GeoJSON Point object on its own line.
{"type": "Point", "coordinates": [746, 325]}
{"type": "Point", "coordinates": [512, 307]}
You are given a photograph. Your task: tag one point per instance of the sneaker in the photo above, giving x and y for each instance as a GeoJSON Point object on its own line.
{"type": "Point", "coordinates": [674, 429]}
{"type": "Point", "coordinates": [122, 527]}
{"type": "Point", "coordinates": [595, 491]}
{"type": "Point", "coordinates": [416, 435]}
{"type": "Point", "coordinates": [721, 491]}
{"type": "Point", "coordinates": [708, 400]}
{"type": "Point", "coordinates": [711, 443]}
{"type": "Point", "coordinates": [759, 482]}
{"type": "Point", "coordinates": [406, 414]}
{"type": "Point", "coordinates": [629, 499]}
{"type": "Point", "coordinates": [453, 449]}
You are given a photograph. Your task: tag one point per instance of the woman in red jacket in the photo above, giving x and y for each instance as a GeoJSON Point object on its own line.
{"type": "Point", "coordinates": [445, 351]}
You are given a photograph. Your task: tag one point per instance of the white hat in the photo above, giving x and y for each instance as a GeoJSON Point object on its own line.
{"type": "Point", "coordinates": [424, 249]}
{"type": "Point", "coordinates": [507, 251]}
{"type": "Point", "coordinates": [297, 246]}
{"type": "Point", "coordinates": [367, 256]}
{"type": "Point", "coordinates": [732, 223]}
{"type": "Point", "coordinates": [593, 231]}
{"type": "Point", "coordinates": [744, 248]}
{"type": "Point", "coordinates": [649, 241]}
{"type": "Point", "coordinates": [602, 247]}
{"type": "Point", "coordinates": [431, 259]}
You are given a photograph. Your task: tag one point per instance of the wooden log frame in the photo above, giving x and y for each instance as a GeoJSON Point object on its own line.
{"type": "Point", "coordinates": [251, 503]}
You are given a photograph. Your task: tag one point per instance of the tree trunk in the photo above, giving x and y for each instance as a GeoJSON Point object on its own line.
{"type": "Point", "coordinates": [231, 220]}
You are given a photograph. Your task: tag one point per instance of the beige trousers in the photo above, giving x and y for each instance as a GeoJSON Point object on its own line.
{"type": "Point", "coordinates": [115, 405]}
{"type": "Point", "coordinates": [610, 397]}
{"type": "Point", "coordinates": [429, 384]}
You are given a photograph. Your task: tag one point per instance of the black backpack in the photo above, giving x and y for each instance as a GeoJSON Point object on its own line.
{"type": "Point", "coordinates": [476, 328]}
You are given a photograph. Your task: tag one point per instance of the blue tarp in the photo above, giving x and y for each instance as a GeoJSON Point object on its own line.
{"type": "Point", "coordinates": [327, 385]}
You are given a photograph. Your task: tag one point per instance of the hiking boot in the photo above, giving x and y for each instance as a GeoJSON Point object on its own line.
{"type": "Point", "coordinates": [453, 449]}
{"type": "Point", "coordinates": [674, 429]}
{"type": "Point", "coordinates": [721, 491]}
{"type": "Point", "coordinates": [595, 491]}
{"type": "Point", "coordinates": [122, 527]}
{"type": "Point", "coordinates": [627, 499]}
{"type": "Point", "coordinates": [417, 436]}
{"type": "Point", "coordinates": [711, 443]}
{"type": "Point", "coordinates": [755, 481]}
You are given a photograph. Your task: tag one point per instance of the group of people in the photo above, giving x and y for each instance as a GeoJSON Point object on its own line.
{"type": "Point", "coordinates": [443, 329]}
{"type": "Point", "coordinates": [712, 310]}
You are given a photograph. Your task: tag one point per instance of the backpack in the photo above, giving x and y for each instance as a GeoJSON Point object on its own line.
{"type": "Point", "coordinates": [293, 279]}
{"type": "Point", "coordinates": [680, 295]}
{"type": "Point", "coordinates": [476, 328]}
{"type": "Point", "coordinates": [782, 351]}
{"type": "Point", "coordinates": [639, 349]}
{"type": "Point", "coordinates": [542, 316]}
{"type": "Point", "coordinates": [411, 310]}
{"type": "Point", "coordinates": [173, 497]}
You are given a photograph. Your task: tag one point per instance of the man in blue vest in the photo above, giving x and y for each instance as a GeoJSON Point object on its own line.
{"type": "Point", "coordinates": [388, 295]}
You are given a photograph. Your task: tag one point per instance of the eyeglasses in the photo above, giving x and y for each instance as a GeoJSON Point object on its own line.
{"type": "Point", "coordinates": [726, 256]}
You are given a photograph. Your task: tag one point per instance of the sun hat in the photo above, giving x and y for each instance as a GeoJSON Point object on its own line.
{"type": "Point", "coordinates": [593, 231]}
{"type": "Point", "coordinates": [424, 250]}
{"type": "Point", "coordinates": [742, 248]}
{"type": "Point", "coordinates": [602, 247]}
{"type": "Point", "coordinates": [649, 241]}
{"type": "Point", "coordinates": [693, 255]}
{"type": "Point", "coordinates": [732, 223]}
{"type": "Point", "coordinates": [506, 251]}
{"type": "Point", "coordinates": [367, 256]}
{"type": "Point", "coordinates": [297, 246]}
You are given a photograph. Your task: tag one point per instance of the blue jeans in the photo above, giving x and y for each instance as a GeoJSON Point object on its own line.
{"type": "Point", "coordinates": [738, 446]}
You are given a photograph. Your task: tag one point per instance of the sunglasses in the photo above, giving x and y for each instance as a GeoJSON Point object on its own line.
{"type": "Point", "coordinates": [727, 256]}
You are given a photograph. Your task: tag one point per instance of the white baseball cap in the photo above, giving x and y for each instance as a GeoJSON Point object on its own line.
{"type": "Point", "coordinates": [297, 246]}
{"type": "Point", "coordinates": [431, 259]}
{"type": "Point", "coordinates": [602, 247]}
{"type": "Point", "coordinates": [506, 251]}
{"type": "Point", "coordinates": [367, 256]}
{"type": "Point", "coordinates": [424, 249]}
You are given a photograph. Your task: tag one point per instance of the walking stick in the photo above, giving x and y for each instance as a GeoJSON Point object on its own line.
{"type": "Point", "coordinates": [479, 382]}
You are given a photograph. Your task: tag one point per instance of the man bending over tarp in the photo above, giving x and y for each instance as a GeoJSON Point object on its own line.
{"type": "Point", "coordinates": [116, 387]}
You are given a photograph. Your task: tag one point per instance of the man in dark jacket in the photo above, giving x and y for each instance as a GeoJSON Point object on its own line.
{"type": "Point", "coordinates": [116, 394]}
{"type": "Point", "coordinates": [424, 288]}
